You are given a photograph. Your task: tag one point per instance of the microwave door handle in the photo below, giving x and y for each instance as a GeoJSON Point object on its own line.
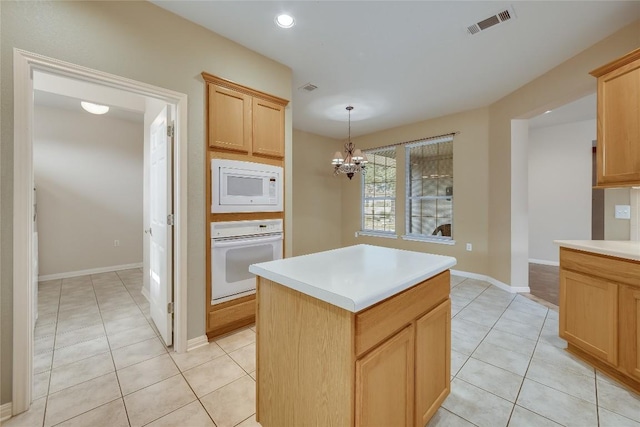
{"type": "Point", "coordinates": [244, 242]}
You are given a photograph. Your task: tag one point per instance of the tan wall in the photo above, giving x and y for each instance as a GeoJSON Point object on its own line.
{"type": "Point", "coordinates": [137, 40]}
{"type": "Point", "coordinates": [616, 229]}
{"type": "Point", "coordinates": [565, 83]}
{"type": "Point", "coordinates": [318, 194]}
{"type": "Point", "coordinates": [470, 177]}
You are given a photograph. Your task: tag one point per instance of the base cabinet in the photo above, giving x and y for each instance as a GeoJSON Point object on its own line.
{"type": "Point", "coordinates": [384, 383]}
{"type": "Point", "coordinates": [600, 312]}
{"type": "Point", "coordinates": [630, 331]}
{"type": "Point", "coordinates": [590, 318]}
{"type": "Point", "coordinates": [388, 365]}
{"type": "Point", "coordinates": [433, 383]}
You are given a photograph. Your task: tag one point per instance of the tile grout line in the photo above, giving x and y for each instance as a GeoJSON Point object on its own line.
{"type": "Point", "coordinates": [46, 402]}
{"type": "Point", "coordinates": [515, 403]}
{"type": "Point", "coordinates": [115, 370]}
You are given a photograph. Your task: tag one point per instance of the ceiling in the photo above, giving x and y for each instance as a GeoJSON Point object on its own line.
{"type": "Point", "coordinates": [58, 91]}
{"type": "Point", "coordinates": [576, 111]}
{"type": "Point", "coordinates": [53, 100]}
{"type": "Point", "coordinates": [398, 62]}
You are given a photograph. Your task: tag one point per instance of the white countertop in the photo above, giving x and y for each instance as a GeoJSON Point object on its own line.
{"type": "Point", "coordinates": [617, 248]}
{"type": "Point", "coordinates": [354, 277]}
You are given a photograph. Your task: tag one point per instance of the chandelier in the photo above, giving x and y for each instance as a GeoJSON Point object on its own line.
{"type": "Point", "coordinates": [352, 160]}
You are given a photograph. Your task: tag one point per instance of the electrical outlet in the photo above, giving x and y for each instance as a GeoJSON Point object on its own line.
{"type": "Point", "coordinates": [356, 234]}
{"type": "Point", "coordinates": [116, 243]}
{"type": "Point", "coordinates": [623, 212]}
{"type": "Point", "coordinates": [469, 247]}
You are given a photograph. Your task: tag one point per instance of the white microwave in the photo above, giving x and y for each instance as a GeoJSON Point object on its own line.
{"type": "Point", "coordinates": [245, 187]}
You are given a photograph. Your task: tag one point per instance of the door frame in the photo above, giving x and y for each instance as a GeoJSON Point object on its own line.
{"type": "Point", "coordinates": [24, 63]}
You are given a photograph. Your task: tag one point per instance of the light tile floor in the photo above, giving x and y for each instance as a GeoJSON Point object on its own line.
{"type": "Point", "coordinates": [509, 367]}
{"type": "Point", "coordinates": [99, 362]}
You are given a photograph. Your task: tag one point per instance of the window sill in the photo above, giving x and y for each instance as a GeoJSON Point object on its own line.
{"type": "Point", "coordinates": [374, 234]}
{"type": "Point", "coordinates": [428, 240]}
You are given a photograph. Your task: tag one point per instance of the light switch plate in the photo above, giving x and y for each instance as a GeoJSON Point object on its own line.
{"type": "Point", "coordinates": [623, 212]}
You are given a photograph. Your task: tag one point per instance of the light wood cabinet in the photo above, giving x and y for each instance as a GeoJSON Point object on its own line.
{"type": "Point", "coordinates": [318, 364]}
{"type": "Point", "coordinates": [433, 384]}
{"type": "Point", "coordinates": [630, 330]}
{"type": "Point", "coordinates": [229, 120]}
{"type": "Point", "coordinates": [385, 381]}
{"type": "Point", "coordinates": [268, 128]}
{"type": "Point", "coordinates": [246, 125]}
{"type": "Point", "coordinates": [590, 316]}
{"type": "Point", "coordinates": [600, 312]}
{"type": "Point", "coordinates": [244, 120]}
{"type": "Point", "coordinates": [618, 146]}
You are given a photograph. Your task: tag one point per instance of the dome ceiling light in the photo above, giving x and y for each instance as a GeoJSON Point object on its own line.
{"type": "Point", "coordinates": [94, 108]}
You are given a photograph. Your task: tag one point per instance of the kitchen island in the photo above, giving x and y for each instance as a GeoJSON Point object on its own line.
{"type": "Point", "coordinates": [600, 305]}
{"type": "Point", "coordinates": [357, 336]}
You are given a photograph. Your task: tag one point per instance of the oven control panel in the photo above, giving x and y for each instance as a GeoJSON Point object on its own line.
{"type": "Point", "coordinates": [245, 228]}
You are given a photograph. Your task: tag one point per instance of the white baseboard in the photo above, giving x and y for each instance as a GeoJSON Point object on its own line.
{"type": "Point", "coordinates": [197, 342]}
{"type": "Point", "coordinates": [145, 293]}
{"type": "Point", "coordinates": [543, 262]}
{"type": "Point", "coordinates": [5, 412]}
{"type": "Point", "coordinates": [90, 271]}
{"type": "Point", "coordinates": [495, 282]}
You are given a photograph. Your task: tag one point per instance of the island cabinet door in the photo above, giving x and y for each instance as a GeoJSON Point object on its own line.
{"type": "Point", "coordinates": [433, 361]}
{"type": "Point", "coordinates": [385, 381]}
{"type": "Point", "coordinates": [590, 316]}
{"type": "Point", "coordinates": [630, 330]}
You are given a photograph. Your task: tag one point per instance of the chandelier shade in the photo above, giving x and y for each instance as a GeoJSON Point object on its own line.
{"type": "Point", "coordinates": [353, 160]}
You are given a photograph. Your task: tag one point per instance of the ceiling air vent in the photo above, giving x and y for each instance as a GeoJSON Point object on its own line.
{"type": "Point", "coordinates": [489, 22]}
{"type": "Point", "coordinates": [308, 87]}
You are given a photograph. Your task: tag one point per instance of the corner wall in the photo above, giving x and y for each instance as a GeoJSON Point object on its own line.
{"type": "Point", "coordinates": [140, 41]}
{"type": "Point", "coordinates": [471, 191]}
{"type": "Point", "coordinates": [565, 83]}
{"type": "Point", "coordinates": [318, 194]}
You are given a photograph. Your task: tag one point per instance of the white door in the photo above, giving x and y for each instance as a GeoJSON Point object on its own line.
{"type": "Point", "coordinates": [161, 233]}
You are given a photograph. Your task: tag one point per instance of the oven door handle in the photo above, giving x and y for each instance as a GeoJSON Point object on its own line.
{"type": "Point", "coordinates": [244, 242]}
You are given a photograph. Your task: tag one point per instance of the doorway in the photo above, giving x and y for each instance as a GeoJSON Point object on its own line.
{"type": "Point", "coordinates": [25, 64]}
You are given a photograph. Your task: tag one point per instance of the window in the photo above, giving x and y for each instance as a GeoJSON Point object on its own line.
{"type": "Point", "coordinates": [379, 192]}
{"type": "Point", "coordinates": [429, 185]}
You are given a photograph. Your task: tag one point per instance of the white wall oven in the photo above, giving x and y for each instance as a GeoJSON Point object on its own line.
{"type": "Point", "coordinates": [235, 245]}
{"type": "Point", "coordinates": [238, 186]}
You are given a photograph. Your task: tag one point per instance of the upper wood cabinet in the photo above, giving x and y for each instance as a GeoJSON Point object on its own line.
{"type": "Point", "coordinates": [229, 121]}
{"type": "Point", "coordinates": [618, 152]}
{"type": "Point", "coordinates": [244, 120]}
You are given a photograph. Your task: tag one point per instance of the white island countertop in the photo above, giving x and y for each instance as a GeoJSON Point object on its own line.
{"type": "Point", "coordinates": [354, 277]}
{"type": "Point", "coordinates": [617, 248]}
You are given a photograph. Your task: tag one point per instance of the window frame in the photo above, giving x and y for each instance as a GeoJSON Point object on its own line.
{"type": "Point", "coordinates": [408, 198]}
{"type": "Point", "coordinates": [377, 233]}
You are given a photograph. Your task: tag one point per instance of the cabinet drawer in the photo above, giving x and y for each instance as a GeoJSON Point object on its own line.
{"type": "Point", "coordinates": [383, 319]}
{"type": "Point", "coordinates": [623, 271]}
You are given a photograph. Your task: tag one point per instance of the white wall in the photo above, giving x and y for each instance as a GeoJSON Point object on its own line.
{"type": "Point", "coordinates": [519, 208]}
{"type": "Point", "coordinates": [88, 174]}
{"type": "Point", "coordinates": [559, 186]}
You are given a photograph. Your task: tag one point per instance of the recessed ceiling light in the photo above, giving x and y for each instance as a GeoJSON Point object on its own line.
{"type": "Point", "coordinates": [94, 108]}
{"type": "Point", "coordinates": [285, 21]}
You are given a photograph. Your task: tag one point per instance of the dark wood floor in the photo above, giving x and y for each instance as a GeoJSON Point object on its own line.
{"type": "Point", "coordinates": [544, 282]}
